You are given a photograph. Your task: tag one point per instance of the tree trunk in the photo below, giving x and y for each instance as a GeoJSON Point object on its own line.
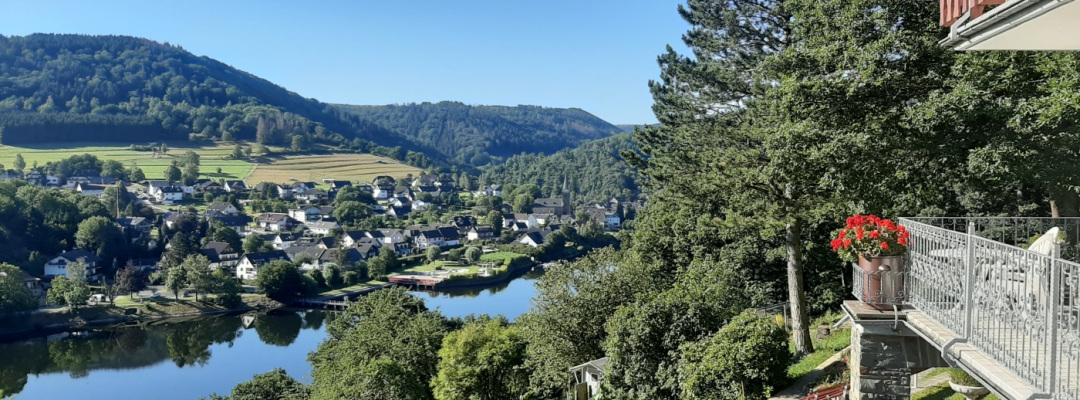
{"type": "Point", "coordinates": [796, 293]}
{"type": "Point", "coordinates": [1064, 202]}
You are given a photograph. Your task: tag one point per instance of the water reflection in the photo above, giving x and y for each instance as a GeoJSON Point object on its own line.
{"type": "Point", "coordinates": [185, 343]}
{"type": "Point", "coordinates": [509, 299]}
{"type": "Point", "coordinates": [196, 357]}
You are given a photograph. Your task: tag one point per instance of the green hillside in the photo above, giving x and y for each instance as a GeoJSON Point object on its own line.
{"type": "Point", "coordinates": [79, 88]}
{"type": "Point", "coordinates": [594, 171]}
{"type": "Point", "coordinates": [475, 135]}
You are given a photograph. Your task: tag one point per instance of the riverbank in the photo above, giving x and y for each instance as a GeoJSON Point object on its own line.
{"type": "Point", "coordinates": [123, 311]}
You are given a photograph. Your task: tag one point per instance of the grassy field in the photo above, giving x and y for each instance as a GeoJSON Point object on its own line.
{"type": "Point", "coordinates": [282, 169]}
{"type": "Point", "coordinates": [211, 157]}
{"type": "Point", "coordinates": [352, 167]}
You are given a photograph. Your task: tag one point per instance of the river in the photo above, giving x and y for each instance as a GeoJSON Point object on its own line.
{"type": "Point", "coordinates": [192, 359]}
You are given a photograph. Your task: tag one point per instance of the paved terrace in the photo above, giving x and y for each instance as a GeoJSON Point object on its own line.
{"type": "Point", "coordinates": [973, 291]}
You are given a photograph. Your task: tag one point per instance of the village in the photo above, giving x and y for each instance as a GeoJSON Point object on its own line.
{"type": "Point", "coordinates": [332, 223]}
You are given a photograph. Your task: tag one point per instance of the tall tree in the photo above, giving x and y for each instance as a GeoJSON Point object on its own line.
{"type": "Point", "coordinates": [20, 163]}
{"type": "Point", "coordinates": [101, 236]}
{"type": "Point", "coordinates": [482, 361]}
{"type": "Point", "coordinates": [129, 280]}
{"type": "Point", "coordinates": [281, 281]}
{"type": "Point", "coordinates": [709, 101]}
{"type": "Point", "coordinates": [14, 295]}
{"type": "Point", "coordinates": [380, 348]}
{"type": "Point", "coordinates": [197, 271]}
{"type": "Point", "coordinates": [172, 173]}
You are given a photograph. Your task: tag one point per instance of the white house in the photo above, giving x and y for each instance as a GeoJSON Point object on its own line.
{"type": "Point", "coordinates": [57, 266]}
{"type": "Point", "coordinates": [283, 241]}
{"type": "Point", "coordinates": [274, 222]}
{"type": "Point", "coordinates": [386, 236]}
{"type": "Point", "coordinates": [439, 236]}
{"type": "Point", "coordinates": [223, 208]}
{"type": "Point", "coordinates": [612, 221]}
{"type": "Point", "coordinates": [221, 254]}
{"type": "Point", "coordinates": [534, 238]}
{"type": "Point", "coordinates": [490, 190]}
{"type": "Point", "coordinates": [248, 267]}
{"type": "Point", "coordinates": [480, 232]}
{"type": "Point", "coordinates": [305, 214]}
{"type": "Point", "coordinates": [90, 190]}
{"type": "Point", "coordinates": [322, 227]}
{"type": "Point", "coordinates": [382, 192]}
{"type": "Point", "coordinates": [351, 238]}
{"type": "Point", "coordinates": [587, 378]}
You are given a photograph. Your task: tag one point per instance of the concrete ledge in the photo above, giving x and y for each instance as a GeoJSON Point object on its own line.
{"type": "Point", "coordinates": [995, 376]}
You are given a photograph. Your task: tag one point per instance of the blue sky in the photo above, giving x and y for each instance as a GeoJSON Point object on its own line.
{"type": "Point", "coordinates": [597, 55]}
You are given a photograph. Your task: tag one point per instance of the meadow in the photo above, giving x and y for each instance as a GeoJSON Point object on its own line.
{"type": "Point", "coordinates": [275, 168]}
{"type": "Point", "coordinates": [351, 167]}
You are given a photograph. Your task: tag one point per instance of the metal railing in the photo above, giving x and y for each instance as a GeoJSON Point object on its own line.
{"type": "Point", "coordinates": [879, 288]}
{"type": "Point", "coordinates": [1018, 306]}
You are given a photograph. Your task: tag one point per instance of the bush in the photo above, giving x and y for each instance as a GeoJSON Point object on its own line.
{"type": "Point", "coordinates": [333, 275]}
{"type": "Point", "coordinates": [959, 377]}
{"type": "Point", "coordinates": [745, 359]}
{"type": "Point", "coordinates": [317, 276]}
{"type": "Point", "coordinates": [351, 277]}
{"type": "Point", "coordinates": [157, 278]}
{"type": "Point", "coordinates": [455, 254]}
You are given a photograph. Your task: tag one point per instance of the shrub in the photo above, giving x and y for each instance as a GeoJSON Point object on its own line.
{"type": "Point", "coordinates": [351, 277]}
{"type": "Point", "coordinates": [318, 277]}
{"type": "Point", "coordinates": [745, 359]}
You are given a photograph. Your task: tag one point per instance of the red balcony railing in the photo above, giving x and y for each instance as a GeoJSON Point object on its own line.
{"type": "Point", "coordinates": [952, 10]}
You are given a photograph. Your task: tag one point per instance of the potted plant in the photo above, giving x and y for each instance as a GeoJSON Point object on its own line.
{"type": "Point", "coordinates": [877, 245]}
{"type": "Point", "coordinates": [962, 383]}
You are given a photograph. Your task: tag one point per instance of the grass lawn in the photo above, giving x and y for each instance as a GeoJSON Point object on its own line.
{"type": "Point", "coordinates": [500, 256]}
{"type": "Point", "coordinates": [823, 348]}
{"type": "Point", "coordinates": [944, 392]}
{"type": "Point", "coordinates": [279, 169]}
{"type": "Point", "coordinates": [212, 157]}
{"type": "Point", "coordinates": [473, 269]}
{"type": "Point", "coordinates": [352, 167]}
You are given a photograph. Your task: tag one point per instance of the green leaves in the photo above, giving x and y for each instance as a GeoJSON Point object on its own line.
{"type": "Point", "coordinates": [483, 361]}
{"type": "Point", "coordinates": [14, 295]}
{"type": "Point", "coordinates": [382, 347]}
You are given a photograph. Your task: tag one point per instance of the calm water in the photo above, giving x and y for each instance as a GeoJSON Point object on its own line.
{"type": "Point", "coordinates": [189, 360]}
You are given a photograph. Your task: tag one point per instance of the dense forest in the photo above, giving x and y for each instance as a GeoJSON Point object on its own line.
{"type": "Point", "coordinates": [475, 135]}
{"type": "Point", "coordinates": [126, 89]}
{"type": "Point", "coordinates": [593, 172]}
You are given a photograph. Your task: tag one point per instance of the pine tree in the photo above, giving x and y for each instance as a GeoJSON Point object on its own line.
{"type": "Point", "coordinates": [20, 163]}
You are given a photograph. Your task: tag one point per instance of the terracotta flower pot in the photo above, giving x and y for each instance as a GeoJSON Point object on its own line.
{"type": "Point", "coordinates": [878, 289]}
{"type": "Point", "coordinates": [969, 392]}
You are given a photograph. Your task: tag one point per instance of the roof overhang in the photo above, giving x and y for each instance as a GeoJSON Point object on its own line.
{"type": "Point", "coordinates": [1018, 25]}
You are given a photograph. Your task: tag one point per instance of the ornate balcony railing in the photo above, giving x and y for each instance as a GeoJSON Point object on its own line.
{"type": "Point", "coordinates": [952, 10]}
{"type": "Point", "coordinates": [883, 287]}
{"type": "Point", "coordinates": [1018, 306]}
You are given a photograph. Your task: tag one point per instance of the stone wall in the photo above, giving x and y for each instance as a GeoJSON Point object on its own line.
{"type": "Point", "coordinates": [883, 360]}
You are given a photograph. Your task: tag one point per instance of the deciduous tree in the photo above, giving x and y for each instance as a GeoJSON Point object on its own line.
{"type": "Point", "coordinates": [14, 295]}
{"type": "Point", "coordinates": [384, 344]}
{"type": "Point", "coordinates": [482, 361]}
{"type": "Point", "coordinates": [281, 281]}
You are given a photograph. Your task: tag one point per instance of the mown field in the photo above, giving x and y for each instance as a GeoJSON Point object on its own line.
{"type": "Point", "coordinates": [212, 157]}
{"type": "Point", "coordinates": [278, 169]}
{"type": "Point", "coordinates": [352, 167]}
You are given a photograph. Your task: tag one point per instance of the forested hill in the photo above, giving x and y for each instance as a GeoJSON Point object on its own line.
{"type": "Point", "coordinates": [594, 171]}
{"type": "Point", "coordinates": [126, 89]}
{"type": "Point", "coordinates": [474, 134]}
